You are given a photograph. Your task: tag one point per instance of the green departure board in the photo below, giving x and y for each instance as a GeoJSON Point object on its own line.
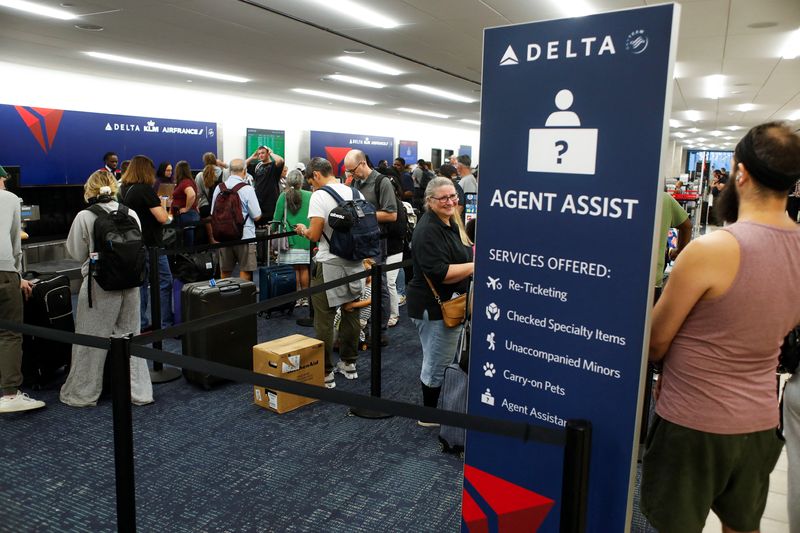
{"type": "Point", "coordinates": [275, 139]}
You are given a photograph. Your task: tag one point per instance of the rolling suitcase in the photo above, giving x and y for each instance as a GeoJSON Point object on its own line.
{"type": "Point", "coordinates": [49, 306]}
{"type": "Point", "coordinates": [275, 280]}
{"type": "Point", "coordinates": [230, 343]}
{"type": "Point", "coordinates": [453, 398]}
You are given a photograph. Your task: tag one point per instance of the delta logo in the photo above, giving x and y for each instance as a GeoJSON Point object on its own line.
{"type": "Point", "coordinates": [488, 500]}
{"type": "Point", "coordinates": [42, 123]}
{"type": "Point", "coordinates": [635, 43]}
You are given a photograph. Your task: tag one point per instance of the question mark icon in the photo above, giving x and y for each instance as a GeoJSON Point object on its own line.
{"type": "Point", "coordinates": [562, 149]}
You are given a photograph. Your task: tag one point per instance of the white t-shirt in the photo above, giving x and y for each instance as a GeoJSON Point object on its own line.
{"type": "Point", "coordinates": [320, 206]}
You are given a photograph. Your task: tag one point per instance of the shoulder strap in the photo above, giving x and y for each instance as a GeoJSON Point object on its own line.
{"type": "Point", "coordinates": [222, 186]}
{"type": "Point", "coordinates": [238, 186]}
{"type": "Point", "coordinates": [328, 189]}
{"type": "Point", "coordinates": [96, 209]}
{"type": "Point", "coordinates": [435, 294]}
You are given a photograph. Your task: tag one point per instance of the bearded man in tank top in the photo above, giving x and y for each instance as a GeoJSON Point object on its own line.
{"type": "Point", "coordinates": [732, 297]}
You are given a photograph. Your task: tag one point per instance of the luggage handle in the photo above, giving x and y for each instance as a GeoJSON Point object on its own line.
{"type": "Point", "coordinates": [225, 290]}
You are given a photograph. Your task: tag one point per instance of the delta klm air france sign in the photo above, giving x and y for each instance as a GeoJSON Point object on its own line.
{"type": "Point", "coordinates": [57, 147]}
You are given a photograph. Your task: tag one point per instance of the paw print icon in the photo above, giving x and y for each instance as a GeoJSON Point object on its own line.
{"type": "Point", "coordinates": [489, 370]}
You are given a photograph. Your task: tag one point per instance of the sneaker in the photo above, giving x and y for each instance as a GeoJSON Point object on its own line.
{"type": "Point", "coordinates": [330, 381]}
{"type": "Point", "coordinates": [20, 402]}
{"type": "Point", "coordinates": [427, 424]}
{"type": "Point", "coordinates": [302, 302]}
{"type": "Point", "coordinates": [348, 370]}
{"type": "Point", "coordinates": [393, 321]}
{"type": "Point", "coordinates": [402, 300]}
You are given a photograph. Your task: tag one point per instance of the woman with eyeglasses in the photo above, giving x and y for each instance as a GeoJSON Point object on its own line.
{"type": "Point", "coordinates": [442, 254]}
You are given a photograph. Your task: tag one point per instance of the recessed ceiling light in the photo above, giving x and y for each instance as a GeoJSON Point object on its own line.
{"type": "Point", "coordinates": [423, 113]}
{"type": "Point", "coordinates": [729, 137]}
{"type": "Point", "coordinates": [470, 121]}
{"type": "Point", "coordinates": [38, 9]}
{"type": "Point", "coordinates": [715, 133]}
{"type": "Point", "coordinates": [440, 93]}
{"type": "Point", "coordinates": [693, 130]}
{"type": "Point", "coordinates": [356, 81]}
{"type": "Point", "coordinates": [189, 81]}
{"type": "Point", "coordinates": [89, 27]}
{"type": "Point", "coordinates": [353, 51]}
{"type": "Point", "coordinates": [792, 47]}
{"type": "Point", "coordinates": [332, 96]}
{"type": "Point", "coordinates": [574, 8]}
{"type": "Point", "coordinates": [734, 128]}
{"type": "Point", "coordinates": [715, 86]}
{"type": "Point", "coordinates": [675, 123]}
{"type": "Point", "coordinates": [358, 12]}
{"type": "Point", "coordinates": [692, 115]}
{"type": "Point", "coordinates": [372, 66]}
{"type": "Point", "coordinates": [166, 66]}
{"type": "Point", "coordinates": [746, 107]}
{"type": "Point", "coordinates": [679, 135]}
{"type": "Point", "coordinates": [761, 25]}
{"type": "Point", "coordinates": [795, 115]}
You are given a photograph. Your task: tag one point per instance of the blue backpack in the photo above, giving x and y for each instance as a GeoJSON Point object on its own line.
{"type": "Point", "coordinates": [356, 234]}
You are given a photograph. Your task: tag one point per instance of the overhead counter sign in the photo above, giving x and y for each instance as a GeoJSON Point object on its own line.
{"type": "Point", "coordinates": [574, 119]}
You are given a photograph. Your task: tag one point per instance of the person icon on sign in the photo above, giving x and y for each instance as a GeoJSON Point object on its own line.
{"type": "Point", "coordinates": [563, 117]}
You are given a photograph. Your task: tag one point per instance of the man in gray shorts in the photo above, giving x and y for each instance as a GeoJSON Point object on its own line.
{"type": "Point", "coordinates": [243, 254]}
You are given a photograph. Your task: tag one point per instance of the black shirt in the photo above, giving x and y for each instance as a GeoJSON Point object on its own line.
{"type": "Point", "coordinates": [723, 180]}
{"type": "Point", "coordinates": [434, 248]}
{"type": "Point", "coordinates": [267, 183]}
{"type": "Point", "coordinates": [141, 198]}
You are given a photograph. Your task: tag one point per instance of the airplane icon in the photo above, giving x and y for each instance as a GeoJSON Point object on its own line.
{"type": "Point", "coordinates": [494, 283]}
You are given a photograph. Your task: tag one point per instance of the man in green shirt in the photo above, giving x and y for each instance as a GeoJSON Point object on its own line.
{"type": "Point", "coordinates": [672, 216]}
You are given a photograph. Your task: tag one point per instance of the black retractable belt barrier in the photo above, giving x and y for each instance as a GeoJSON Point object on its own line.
{"type": "Point", "coordinates": [576, 439]}
{"type": "Point", "coordinates": [575, 479]}
{"type": "Point", "coordinates": [123, 433]}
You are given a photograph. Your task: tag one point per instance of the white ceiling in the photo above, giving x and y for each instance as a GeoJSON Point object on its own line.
{"type": "Point", "coordinates": [279, 53]}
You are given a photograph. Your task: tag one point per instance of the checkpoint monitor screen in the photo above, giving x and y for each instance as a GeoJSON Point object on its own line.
{"type": "Point", "coordinates": [470, 206]}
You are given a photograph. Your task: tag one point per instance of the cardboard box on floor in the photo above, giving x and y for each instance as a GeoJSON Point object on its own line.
{"type": "Point", "coordinates": [296, 357]}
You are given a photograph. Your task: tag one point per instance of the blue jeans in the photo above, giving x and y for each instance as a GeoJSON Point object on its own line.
{"type": "Point", "coordinates": [165, 288]}
{"type": "Point", "coordinates": [189, 218]}
{"type": "Point", "coordinates": [439, 345]}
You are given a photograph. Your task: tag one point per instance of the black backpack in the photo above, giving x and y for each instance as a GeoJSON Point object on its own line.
{"type": "Point", "coordinates": [356, 234]}
{"type": "Point", "coordinates": [397, 233]}
{"type": "Point", "coordinates": [118, 259]}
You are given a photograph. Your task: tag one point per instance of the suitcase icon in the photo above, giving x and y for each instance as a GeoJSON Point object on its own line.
{"type": "Point", "coordinates": [562, 146]}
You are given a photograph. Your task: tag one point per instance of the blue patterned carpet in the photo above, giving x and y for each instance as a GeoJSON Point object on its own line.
{"type": "Point", "coordinates": [214, 462]}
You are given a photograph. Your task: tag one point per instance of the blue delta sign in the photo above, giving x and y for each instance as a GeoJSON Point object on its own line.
{"type": "Point", "coordinates": [574, 116]}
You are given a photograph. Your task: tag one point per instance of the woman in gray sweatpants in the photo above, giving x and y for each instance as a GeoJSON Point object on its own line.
{"type": "Point", "coordinates": [112, 312]}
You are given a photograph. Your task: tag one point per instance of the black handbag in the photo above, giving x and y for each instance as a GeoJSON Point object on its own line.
{"type": "Point", "coordinates": [789, 357]}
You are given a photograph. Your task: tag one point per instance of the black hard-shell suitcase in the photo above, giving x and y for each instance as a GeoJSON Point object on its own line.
{"type": "Point", "coordinates": [230, 343]}
{"type": "Point", "coordinates": [50, 306]}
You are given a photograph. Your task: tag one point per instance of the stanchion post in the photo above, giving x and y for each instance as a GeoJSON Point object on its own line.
{"type": "Point", "coordinates": [123, 433]}
{"type": "Point", "coordinates": [575, 481]}
{"type": "Point", "coordinates": [377, 320]}
{"type": "Point", "coordinates": [155, 300]}
{"type": "Point", "coordinates": [376, 317]}
{"type": "Point", "coordinates": [159, 374]}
